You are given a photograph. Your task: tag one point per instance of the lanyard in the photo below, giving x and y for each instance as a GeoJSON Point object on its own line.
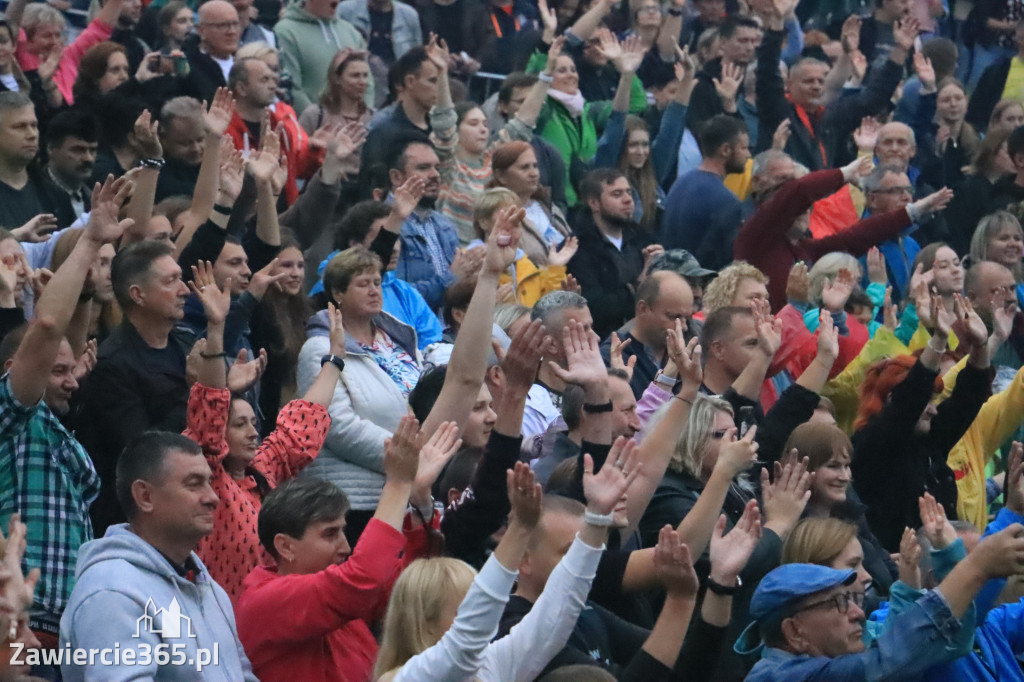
{"type": "Point", "coordinates": [497, 28]}
{"type": "Point", "coordinates": [806, 121]}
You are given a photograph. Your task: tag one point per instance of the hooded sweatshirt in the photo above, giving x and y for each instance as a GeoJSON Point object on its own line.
{"type": "Point", "coordinates": [307, 45]}
{"type": "Point", "coordinates": [124, 587]}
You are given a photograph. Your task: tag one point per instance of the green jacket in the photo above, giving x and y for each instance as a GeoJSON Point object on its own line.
{"type": "Point", "coordinates": [307, 45]}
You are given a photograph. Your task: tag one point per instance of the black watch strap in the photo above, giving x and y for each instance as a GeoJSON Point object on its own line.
{"type": "Point", "coordinates": [598, 409]}
{"type": "Point", "coordinates": [334, 360]}
{"type": "Point", "coordinates": [722, 590]}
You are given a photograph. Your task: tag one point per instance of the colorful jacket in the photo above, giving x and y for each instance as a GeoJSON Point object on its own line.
{"type": "Point", "coordinates": [67, 70]}
{"type": "Point", "coordinates": [233, 548]}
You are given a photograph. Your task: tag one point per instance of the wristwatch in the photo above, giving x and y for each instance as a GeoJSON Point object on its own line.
{"type": "Point", "coordinates": [334, 360]}
{"type": "Point", "coordinates": [722, 590]}
{"type": "Point", "coordinates": [665, 381]}
{"type": "Point", "coordinates": [155, 164]}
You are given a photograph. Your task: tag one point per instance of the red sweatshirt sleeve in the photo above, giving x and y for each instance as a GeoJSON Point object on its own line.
{"type": "Point", "coordinates": [207, 419]}
{"type": "Point", "coordinates": [773, 218]}
{"type": "Point", "coordinates": [860, 237]}
{"type": "Point", "coordinates": [301, 429]}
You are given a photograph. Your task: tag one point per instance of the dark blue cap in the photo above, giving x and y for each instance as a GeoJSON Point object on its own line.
{"type": "Point", "coordinates": [783, 586]}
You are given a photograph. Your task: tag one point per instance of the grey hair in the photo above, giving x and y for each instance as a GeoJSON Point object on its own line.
{"type": "Point", "coordinates": [987, 228]}
{"type": "Point", "coordinates": [40, 14]}
{"type": "Point", "coordinates": [554, 302]}
{"type": "Point", "coordinates": [828, 266]}
{"type": "Point", "coordinates": [10, 101]}
{"type": "Point", "coordinates": [874, 180]}
{"type": "Point", "coordinates": [765, 159]}
{"type": "Point", "coordinates": [181, 107]}
{"type": "Point", "coordinates": [696, 436]}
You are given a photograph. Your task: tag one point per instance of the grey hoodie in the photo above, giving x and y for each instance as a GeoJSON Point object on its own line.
{"type": "Point", "coordinates": [129, 598]}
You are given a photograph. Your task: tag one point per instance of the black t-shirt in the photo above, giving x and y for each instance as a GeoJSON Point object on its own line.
{"type": "Point", "coordinates": [449, 24]}
{"type": "Point", "coordinates": [380, 35]}
{"type": "Point", "coordinates": [18, 206]}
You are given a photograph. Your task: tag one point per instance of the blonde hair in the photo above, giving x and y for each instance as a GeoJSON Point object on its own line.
{"type": "Point", "coordinates": [696, 436]}
{"type": "Point", "coordinates": [817, 541]}
{"type": "Point", "coordinates": [418, 600]}
{"type": "Point", "coordinates": [722, 289]}
{"type": "Point", "coordinates": [828, 266]}
{"type": "Point", "coordinates": [39, 14]}
{"type": "Point", "coordinates": [487, 203]}
{"type": "Point", "coordinates": [257, 50]}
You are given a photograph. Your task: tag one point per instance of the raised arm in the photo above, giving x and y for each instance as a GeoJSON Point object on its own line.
{"type": "Point", "coordinates": [531, 106]}
{"type": "Point", "coordinates": [469, 356]}
{"type": "Point", "coordinates": [33, 361]}
{"type": "Point", "coordinates": [262, 166]}
{"type": "Point", "coordinates": [216, 119]}
{"type": "Point", "coordinates": [140, 206]}
{"type": "Point", "coordinates": [109, 12]}
{"type": "Point", "coordinates": [589, 22]}
{"type": "Point", "coordinates": [213, 371]}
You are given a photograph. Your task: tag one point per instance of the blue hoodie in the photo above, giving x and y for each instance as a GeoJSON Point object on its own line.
{"type": "Point", "coordinates": [122, 579]}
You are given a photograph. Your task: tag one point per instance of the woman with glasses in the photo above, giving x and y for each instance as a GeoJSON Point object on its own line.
{"type": "Point", "coordinates": [902, 439]}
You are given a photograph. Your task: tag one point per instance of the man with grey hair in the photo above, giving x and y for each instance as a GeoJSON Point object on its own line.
{"type": "Point", "coordinates": [24, 193]}
{"type": "Point", "coordinates": [555, 310]}
{"type": "Point", "coordinates": [182, 136]}
{"type": "Point", "coordinates": [210, 60]}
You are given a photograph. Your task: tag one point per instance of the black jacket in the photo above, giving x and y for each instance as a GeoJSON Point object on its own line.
{"type": "Point", "coordinates": [204, 75]}
{"type": "Point", "coordinates": [987, 93]}
{"type": "Point", "coordinates": [133, 388]}
{"type": "Point", "coordinates": [704, 102]}
{"type": "Point", "coordinates": [833, 126]}
{"type": "Point", "coordinates": [607, 275]}
{"type": "Point", "coordinates": [893, 464]}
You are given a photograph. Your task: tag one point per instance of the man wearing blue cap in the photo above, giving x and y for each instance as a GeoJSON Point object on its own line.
{"type": "Point", "coordinates": [811, 622]}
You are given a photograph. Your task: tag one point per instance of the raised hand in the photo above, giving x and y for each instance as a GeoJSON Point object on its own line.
{"type": "Point", "coordinates": [935, 202]}
{"type": "Point", "coordinates": [798, 286]}
{"type": "Point", "coordinates": [736, 456]}
{"type": "Point", "coordinates": [402, 451]}
{"type": "Point", "coordinates": [729, 553]}
{"type": "Point", "coordinates": [525, 496]}
{"type": "Point", "coordinates": [503, 241]}
{"type": "Point", "coordinates": [850, 34]}
{"type": "Point", "coordinates": [858, 168]}
{"type": "Point", "coordinates": [244, 373]}
{"type": "Point", "coordinates": [466, 264]}
{"type": "Point", "coordinates": [561, 255]}
{"type": "Point", "coordinates": [686, 65]}
{"type": "Point", "coordinates": [674, 566]}
{"type": "Point", "coordinates": [905, 32]}
{"type": "Point", "coordinates": [554, 52]}
{"type": "Point", "coordinates": [877, 273]}
{"type": "Point", "coordinates": [828, 338]}
{"type": "Point", "coordinates": [232, 172]}
{"type": "Point", "coordinates": [586, 368]}
{"type": "Point", "coordinates": [780, 138]}
{"type": "Point", "coordinates": [522, 360]}
{"type": "Point", "coordinates": [866, 136]}
{"type": "Point", "coordinates": [969, 326]}
{"type": "Point", "coordinates": [337, 330]}
{"type": "Point", "coordinates": [570, 284]}
{"type": "Point", "coordinates": [406, 197]}
{"type": "Point", "coordinates": [438, 53]}
{"type": "Point", "coordinates": [1001, 554]}
{"type": "Point", "coordinates": [615, 355]}
{"type": "Point", "coordinates": [85, 364]}
{"type": "Point", "coordinates": [769, 332]}
{"type": "Point", "coordinates": [265, 278]}
{"type": "Point", "coordinates": [549, 19]}
{"type": "Point", "coordinates": [435, 453]}
{"type": "Point", "coordinates": [38, 229]}
{"type": "Point", "coordinates": [107, 200]}
{"type": "Point", "coordinates": [859, 64]}
{"type": "Point", "coordinates": [836, 292]}
{"type": "Point", "coordinates": [1014, 486]}
{"type": "Point", "coordinates": [261, 165]}
{"type": "Point", "coordinates": [889, 318]}
{"type": "Point", "coordinates": [1002, 321]}
{"type": "Point", "coordinates": [608, 45]}
{"type": "Point", "coordinates": [909, 559]}
{"type": "Point", "coordinates": [48, 66]}
{"type": "Point", "coordinates": [729, 84]}
{"type": "Point", "coordinates": [685, 356]}
{"type": "Point", "coordinates": [146, 139]}
{"type": "Point", "coordinates": [632, 55]}
{"type": "Point", "coordinates": [346, 141]}
{"type": "Point", "coordinates": [38, 279]}
{"type": "Point", "coordinates": [217, 116]}
{"type": "Point", "coordinates": [605, 489]}
{"type": "Point", "coordinates": [785, 500]}
{"type": "Point", "coordinates": [925, 72]}
{"type": "Point", "coordinates": [216, 302]}
{"type": "Point", "coordinates": [934, 524]}
{"type": "Point", "coordinates": [19, 589]}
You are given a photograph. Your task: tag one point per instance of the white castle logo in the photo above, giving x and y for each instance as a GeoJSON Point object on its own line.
{"type": "Point", "coordinates": [164, 622]}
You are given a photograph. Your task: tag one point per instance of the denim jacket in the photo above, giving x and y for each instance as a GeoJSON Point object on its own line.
{"type": "Point", "coordinates": [405, 26]}
{"type": "Point", "coordinates": [415, 263]}
{"type": "Point", "coordinates": [918, 638]}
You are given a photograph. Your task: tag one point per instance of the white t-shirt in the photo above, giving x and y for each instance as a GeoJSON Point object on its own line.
{"type": "Point", "coordinates": [617, 243]}
{"type": "Point", "coordinates": [225, 65]}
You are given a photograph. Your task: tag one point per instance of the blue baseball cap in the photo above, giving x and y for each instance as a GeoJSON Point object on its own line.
{"type": "Point", "coordinates": [783, 586]}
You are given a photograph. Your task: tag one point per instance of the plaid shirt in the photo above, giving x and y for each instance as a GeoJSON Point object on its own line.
{"type": "Point", "coordinates": [47, 476]}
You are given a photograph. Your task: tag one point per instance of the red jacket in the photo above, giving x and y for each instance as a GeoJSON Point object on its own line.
{"type": "Point", "coordinates": [763, 243]}
{"type": "Point", "coordinates": [302, 161]}
{"type": "Point", "coordinates": [314, 627]}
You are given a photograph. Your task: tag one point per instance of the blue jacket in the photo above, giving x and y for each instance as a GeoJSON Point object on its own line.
{"type": "Point", "coordinates": [401, 300]}
{"type": "Point", "coordinates": [917, 639]}
{"type": "Point", "coordinates": [415, 263]}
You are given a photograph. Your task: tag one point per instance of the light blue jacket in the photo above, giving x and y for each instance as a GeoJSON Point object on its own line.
{"type": "Point", "coordinates": [122, 579]}
{"type": "Point", "coordinates": [405, 26]}
{"type": "Point", "coordinates": [401, 300]}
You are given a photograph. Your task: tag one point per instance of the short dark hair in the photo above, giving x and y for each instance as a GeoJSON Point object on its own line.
{"type": "Point", "coordinates": [718, 324]}
{"type": "Point", "coordinates": [457, 297]}
{"type": "Point", "coordinates": [578, 673]}
{"type": "Point", "coordinates": [131, 266]}
{"type": "Point", "coordinates": [732, 23]}
{"type": "Point", "coordinates": [295, 505]}
{"type": "Point", "coordinates": [355, 224]}
{"type": "Point", "coordinates": [592, 184]}
{"type": "Point", "coordinates": [458, 472]}
{"type": "Point", "coordinates": [943, 54]}
{"type": "Point", "coordinates": [515, 81]}
{"type": "Point", "coordinates": [9, 344]}
{"type": "Point", "coordinates": [1015, 143]}
{"type": "Point", "coordinates": [396, 157]}
{"type": "Point", "coordinates": [119, 116]}
{"type": "Point", "coordinates": [71, 123]}
{"type": "Point", "coordinates": [143, 459]}
{"type": "Point", "coordinates": [428, 387]}
{"type": "Point", "coordinates": [717, 131]}
{"type": "Point", "coordinates": [572, 405]}
{"type": "Point", "coordinates": [239, 72]}
{"type": "Point", "coordinates": [406, 65]}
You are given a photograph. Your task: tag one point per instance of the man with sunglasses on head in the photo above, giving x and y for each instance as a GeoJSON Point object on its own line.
{"type": "Point", "coordinates": [811, 622]}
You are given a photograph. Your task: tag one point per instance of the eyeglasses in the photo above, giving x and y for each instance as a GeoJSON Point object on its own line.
{"type": "Point", "coordinates": [896, 190]}
{"type": "Point", "coordinates": [223, 25]}
{"type": "Point", "coordinates": [840, 601]}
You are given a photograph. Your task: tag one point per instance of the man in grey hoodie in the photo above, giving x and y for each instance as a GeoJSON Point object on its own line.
{"type": "Point", "coordinates": [142, 595]}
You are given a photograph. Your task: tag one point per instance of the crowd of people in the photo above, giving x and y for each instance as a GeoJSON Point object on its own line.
{"type": "Point", "coordinates": [512, 340]}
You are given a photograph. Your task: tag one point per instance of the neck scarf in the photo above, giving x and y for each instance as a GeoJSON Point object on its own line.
{"type": "Point", "coordinates": [574, 103]}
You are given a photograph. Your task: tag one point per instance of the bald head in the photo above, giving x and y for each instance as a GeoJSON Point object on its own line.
{"type": "Point", "coordinates": [218, 28]}
{"type": "Point", "coordinates": [662, 298]}
{"type": "Point", "coordinates": [896, 145]}
{"type": "Point", "coordinates": [989, 285]}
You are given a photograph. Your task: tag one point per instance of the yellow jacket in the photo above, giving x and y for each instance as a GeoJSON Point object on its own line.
{"type": "Point", "coordinates": [532, 282]}
{"type": "Point", "coordinates": [996, 422]}
{"type": "Point", "coordinates": [844, 389]}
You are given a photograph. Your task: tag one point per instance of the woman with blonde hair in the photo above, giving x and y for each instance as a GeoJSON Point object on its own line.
{"type": "Point", "coordinates": [530, 279]}
{"type": "Point", "coordinates": [441, 617]}
{"type": "Point", "coordinates": [1000, 239]}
